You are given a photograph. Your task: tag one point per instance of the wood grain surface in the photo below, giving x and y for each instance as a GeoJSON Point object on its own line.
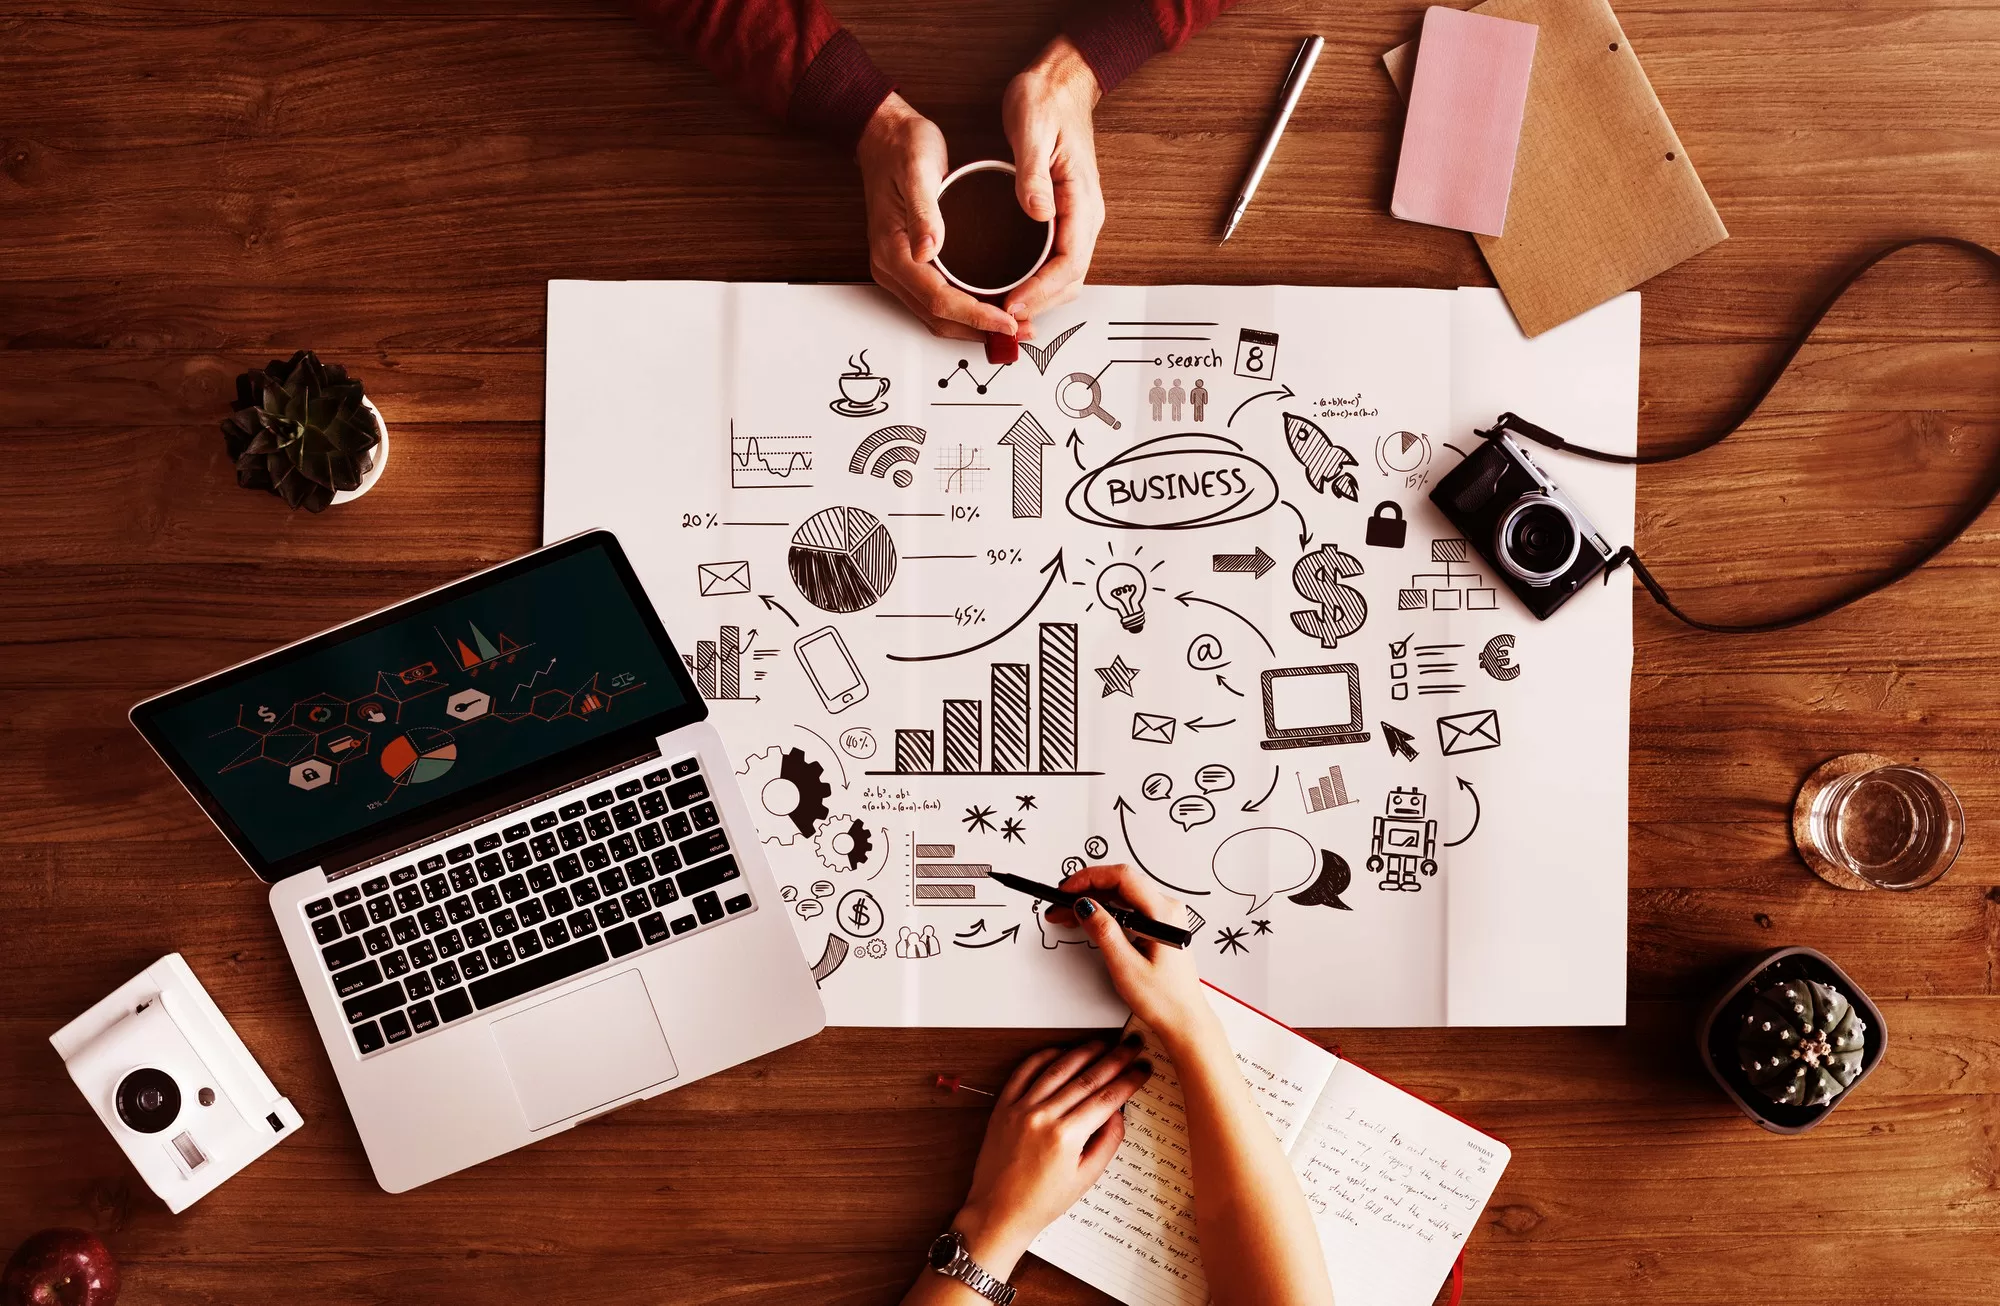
{"type": "Point", "coordinates": [188, 189]}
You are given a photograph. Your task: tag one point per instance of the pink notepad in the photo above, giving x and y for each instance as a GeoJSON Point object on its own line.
{"type": "Point", "coordinates": [1464, 122]}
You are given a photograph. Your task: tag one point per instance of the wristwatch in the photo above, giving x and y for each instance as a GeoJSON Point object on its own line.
{"type": "Point", "coordinates": [949, 1258]}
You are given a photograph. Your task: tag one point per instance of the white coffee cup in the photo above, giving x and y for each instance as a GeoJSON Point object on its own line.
{"type": "Point", "coordinates": [1048, 241]}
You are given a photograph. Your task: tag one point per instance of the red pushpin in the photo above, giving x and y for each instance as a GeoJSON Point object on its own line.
{"type": "Point", "coordinates": [949, 1084]}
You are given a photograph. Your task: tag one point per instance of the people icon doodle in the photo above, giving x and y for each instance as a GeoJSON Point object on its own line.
{"type": "Point", "coordinates": [915, 945]}
{"type": "Point", "coordinates": [1198, 397]}
{"type": "Point", "coordinates": [1157, 397]}
{"type": "Point", "coordinates": [1176, 397]}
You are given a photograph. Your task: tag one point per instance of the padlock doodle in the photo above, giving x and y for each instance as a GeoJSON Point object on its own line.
{"type": "Point", "coordinates": [1317, 577]}
{"type": "Point", "coordinates": [1387, 532]}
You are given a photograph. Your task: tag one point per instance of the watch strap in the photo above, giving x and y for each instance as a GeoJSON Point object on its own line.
{"type": "Point", "coordinates": [963, 1269]}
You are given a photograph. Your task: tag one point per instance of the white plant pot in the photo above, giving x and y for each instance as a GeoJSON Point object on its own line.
{"type": "Point", "coordinates": [381, 460]}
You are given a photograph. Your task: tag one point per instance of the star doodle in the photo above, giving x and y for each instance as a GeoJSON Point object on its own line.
{"type": "Point", "coordinates": [1229, 939]}
{"type": "Point", "coordinates": [1010, 828]}
{"type": "Point", "coordinates": [1026, 801]}
{"type": "Point", "coordinates": [1117, 678]}
{"type": "Point", "coordinates": [1263, 927]}
{"type": "Point", "coordinates": [978, 818]}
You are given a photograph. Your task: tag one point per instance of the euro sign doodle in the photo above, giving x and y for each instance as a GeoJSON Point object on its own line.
{"type": "Point", "coordinates": [1317, 577]}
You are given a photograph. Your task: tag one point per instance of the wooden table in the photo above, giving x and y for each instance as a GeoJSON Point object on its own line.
{"type": "Point", "coordinates": [187, 190]}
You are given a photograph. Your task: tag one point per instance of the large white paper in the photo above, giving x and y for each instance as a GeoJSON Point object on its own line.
{"type": "Point", "coordinates": [901, 578]}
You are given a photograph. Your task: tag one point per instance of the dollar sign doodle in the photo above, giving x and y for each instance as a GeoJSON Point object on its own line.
{"type": "Point", "coordinates": [266, 714]}
{"type": "Point", "coordinates": [1317, 577]}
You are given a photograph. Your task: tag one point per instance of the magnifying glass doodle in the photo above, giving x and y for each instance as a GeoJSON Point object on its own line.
{"type": "Point", "coordinates": [1073, 386]}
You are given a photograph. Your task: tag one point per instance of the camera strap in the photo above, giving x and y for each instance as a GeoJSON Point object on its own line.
{"type": "Point", "coordinates": [1974, 510]}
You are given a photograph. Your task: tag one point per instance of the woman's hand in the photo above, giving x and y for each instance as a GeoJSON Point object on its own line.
{"type": "Point", "coordinates": [1047, 112]}
{"type": "Point", "coordinates": [1159, 983]}
{"type": "Point", "coordinates": [902, 157]}
{"type": "Point", "coordinates": [1054, 1128]}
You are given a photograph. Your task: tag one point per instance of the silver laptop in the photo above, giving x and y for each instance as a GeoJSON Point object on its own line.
{"type": "Point", "coordinates": [506, 852]}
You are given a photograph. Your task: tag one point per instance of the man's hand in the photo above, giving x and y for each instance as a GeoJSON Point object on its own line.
{"type": "Point", "coordinates": [1047, 114]}
{"type": "Point", "coordinates": [902, 157]}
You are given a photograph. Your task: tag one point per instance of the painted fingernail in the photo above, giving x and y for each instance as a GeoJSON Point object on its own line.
{"type": "Point", "coordinates": [1143, 1066]}
{"type": "Point", "coordinates": [1085, 908]}
{"type": "Point", "coordinates": [1134, 1039]}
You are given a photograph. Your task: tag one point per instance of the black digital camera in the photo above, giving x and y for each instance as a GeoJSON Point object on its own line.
{"type": "Point", "coordinates": [1530, 531]}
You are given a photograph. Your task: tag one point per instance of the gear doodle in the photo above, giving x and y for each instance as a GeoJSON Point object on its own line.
{"type": "Point", "coordinates": [845, 843]}
{"type": "Point", "coordinates": [786, 785]}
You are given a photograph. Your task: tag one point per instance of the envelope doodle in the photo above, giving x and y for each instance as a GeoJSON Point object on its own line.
{"type": "Point", "coordinates": [1468, 732]}
{"type": "Point", "coordinates": [720, 578]}
{"type": "Point", "coordinates": [1152, 728]}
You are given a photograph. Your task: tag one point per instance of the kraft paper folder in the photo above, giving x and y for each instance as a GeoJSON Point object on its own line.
{"type": "Point", "coordinates": [1604, 195]}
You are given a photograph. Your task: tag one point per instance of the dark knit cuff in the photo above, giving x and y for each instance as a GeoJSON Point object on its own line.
{"type": "Point", "coordinates": [839, 93]}
{"type": "Point", "coordinates": [1114, 37]}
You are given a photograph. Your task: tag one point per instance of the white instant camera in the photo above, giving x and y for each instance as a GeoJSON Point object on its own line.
{"type": "Point", "coordinates": [172, 1082]}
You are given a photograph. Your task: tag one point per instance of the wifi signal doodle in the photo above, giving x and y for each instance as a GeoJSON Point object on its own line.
{"type": "Point", "coordinates": [888, 446]}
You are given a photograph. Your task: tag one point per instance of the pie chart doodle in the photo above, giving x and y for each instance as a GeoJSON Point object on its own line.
{"type": "Point", "coordinates": [422, 754]}
{"type": "Point", "coordinates": [842, 559]}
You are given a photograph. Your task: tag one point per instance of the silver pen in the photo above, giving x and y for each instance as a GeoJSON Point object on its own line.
{"type": "Point", "coordinates": [1295, 85]}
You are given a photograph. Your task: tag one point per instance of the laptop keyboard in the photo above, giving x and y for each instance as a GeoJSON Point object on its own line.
{"type": "Point", "coordinates": [547, 896]}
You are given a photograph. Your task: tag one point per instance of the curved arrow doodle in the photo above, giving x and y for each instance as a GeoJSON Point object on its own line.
{"type": "Point", "coordinates": [1075, 446]}
{"type": "Point", "coordinates": [1199, 724]}
{"type": "Point", "coordinates": [829, 959]}
{"type": "Point", "coordinates": [1053, 567]}
{"type": "Point", "coordinates": [1466, 785]}
{"type": "Point", "coordinates": [1283, 392]}
{"type": "Point", "coordinates": [1268, 790]}
{"type": "Point", "coordinates": [1011, 933]}
{"type": "Point", "coordinates": [1220, 680]}
{"type": "Point", "coordinates": [770, 602]}
{"type": "Point", "coordinates": [1186, 597]}
{"type": "Point", "coordinates": [1122, 807]}
{"type": "Point", "coordinates": [1305, 535]}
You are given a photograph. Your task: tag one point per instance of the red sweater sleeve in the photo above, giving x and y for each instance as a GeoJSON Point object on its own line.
{"type": "Point", "coordinates": [1116, 36]}
{"type": "Point", "coordinates": [788, 57]}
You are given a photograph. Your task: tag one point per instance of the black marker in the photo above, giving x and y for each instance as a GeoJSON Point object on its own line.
{"type": "Point", "coordinates": [1135, 921]}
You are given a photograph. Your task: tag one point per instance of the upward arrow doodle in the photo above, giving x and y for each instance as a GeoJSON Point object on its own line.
{"type": "Point", "coordinates": [1026, 439]}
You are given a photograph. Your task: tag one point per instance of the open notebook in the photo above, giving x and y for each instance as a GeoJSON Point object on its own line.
{"type": "Point", "coordinates": [1395, 1185]}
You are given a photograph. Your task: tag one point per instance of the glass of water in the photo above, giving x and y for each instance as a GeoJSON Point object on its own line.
{"type": "Point", "coordinates": [1867, 821]}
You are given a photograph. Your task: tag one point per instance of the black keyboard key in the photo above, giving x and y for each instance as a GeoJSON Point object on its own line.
{"type": "Point", "coordinates": [568, 867]}
{"type": "Point", "coordinates": [437, 889]}
{"type": "Point", "coordinates": [449, 944]}
{"type": "Point", "coordinates": [741, 902]}
{"type": "Point", "coordinates": [544, 821]}
{"type": "Point", "coordinates": [611, 881]}
{"type": "Point", "coordinates": [368, 1038]}
{"type": "Point", "coordinates": [326, 929]}
{"type": "Point", "coordinates": [446, 974]}
{"type": "Point", "coordinates": [342, 954]}
{"type": "Point", "coordinates": [602, 798]}
{"type": "Point", "coordinates": [513, 888]}
{"type": "Point", "coordinates": [631, 788]}
{"type": "Point", "coordinates": [503, 922]}
{"type": "Point", "coordinates": [706, 876]}
{"type": "Point", "coordinates": [463, 878]}
{"type": "Point", "coordinates": [543, 846]}
{"type": "Point", "coordinates": [595, 858]}
{"type": "Point", "coordinates": [654, 779]}
{"type": "Point", "coordinates": [380, 884]}
{"type": "Point", "coordinates": [376, 940]}
{"type": "Point", "coordinates": [423, 1017]}
{"type": "Point", "coordinates": [678, 826]}
{"type": "Point", "coordinates": [473, 964]}
{"type": "Point", "coordinates": [640, 871]}
{"type": "Point", "coordinates": [609, 913]}
{"type": "Point", "coordinates": [654, 927]}
{"type": "Point", "coordinates": [395, 963]}
{"type": "Point", "coordinates": [486, 843]}
{"type": "Point", "coordinates": [531, 912]}
{"type": "Point", "coordinates": [432, 919]}
{"type": "Point", "coordinates": [405, 929]}
{"type": "Point", "coordinates": [652, 806]}
{"type": "Point", "coordinates": [703, 846]}
{"type": "Point", "coordinates": [459, 910]}
{"type": "Point", "coordinates": [397, 1026]}
{"type": "Point", "coordinates": [683, 924]}
{"type": "Point", "coordinates": [462, 853]}
{"type": "Point", "coordinates": [623, 848]}
{"type": "Point", "coordinates": [409, 898]}
{"type": "Point", "coordinates": [687, 791]}
{"type": "Point", "coordinates": [581, 923]}
{"type": "Point", "coordinates": [687, 766]}
{"type": "Point", "coordinates": [486, 898]}
{"type": "Point", "coordinates": [518, 857]}
{"type": "Point", "coordinates": [351, 981]}
{"type": "Point", "coordinates": [709, 907]}
{"type": "Point", "coordinates": [419, 985]}
{"type": "Point", "coordinates": [598, 825]}
{"type": "Point", "coordinates": [572, 837]}
{"type": "Point", "coordinates": [649, 836]}
{"type": "Point", "coordinates": [635, 902]}
{"type": "Point", "coordinates": [705, 817]}
{"type": "Point", "coordinates": [666, 861]}
{"type": "Point", "coordinates": [623, 940]}
{"type": "Point", "coordinates": [557, 901]}
{"type": "Point", "coordinates": [429, 864]}
{"type": "Point", "coordinates": [454, 1005]}
{"type": "Point", "coordinates": [555, 934]}
{"type": "Point", "coordinates": [491, 867]}
{"type": "Point", "coordinates": [527, 943]}
{"type": "Point", "coordinates": [354, 919]}
{"type": "Point", "coordinates": [320, 907]}
{"type": "Point", "coordinates": [541, 878]}
{"type": "Point", "coordinates": [542, 971]}
{"type": "Point", "coordinates": [478, 934]}
{"type": "Point", "coordinates": [347, 897]}
{"type": "Point", "coordinates": [664, 893]}
{"type": "Point", "coordinates": [423, 952]}
{"type": "Point", "coordinates": [585, 892]}
{"type": "Point", "coordinates": [515, 833]}
{"type": "Point", "coordinates": [373, 1003]}
{"type": "Point", "coordinates": [381, 909]}
{"type": "Point", "coordinates": [626, 815]}
{"type": "Point", "coordinates": [571, 811]}
{"type": "Point", "coordinates": [402, 875]}
{"type": "Point", "coordinates": [500, 954]}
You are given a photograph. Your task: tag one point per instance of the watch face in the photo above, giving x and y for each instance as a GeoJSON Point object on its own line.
{"type": "Point", "coordinates": [944, 1251]}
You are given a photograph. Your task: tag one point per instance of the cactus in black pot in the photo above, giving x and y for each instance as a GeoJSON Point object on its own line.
{"type": "Point", "coordinates": [303, 430]}
{"type": "Point", "coordinates": [1801, 1042]}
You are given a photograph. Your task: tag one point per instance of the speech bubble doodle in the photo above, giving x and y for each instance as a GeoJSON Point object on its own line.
{"type": "Point", "coordinates": [1205, 654]}
{"type": "Point", "coordinates": [822, 888]}
{"type": "Point", "coordinates": [1261, 862]}
{"type": "Point", "coordinates": [1214, 778]}
{"type": "Point", "coordinates": [789, 893]}
{"type": "Point", "coordinates": [1190, 810]}
{"type": "Point", "coordinates": [1095, 847]}
{"type": "Point", "coordinates": [810, 907]}
{"type": "Point", "coordinates": [1158, 786]}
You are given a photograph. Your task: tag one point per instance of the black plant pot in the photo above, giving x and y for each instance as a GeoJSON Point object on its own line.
{"type": "Point", "coordinates": [1716, 1035]}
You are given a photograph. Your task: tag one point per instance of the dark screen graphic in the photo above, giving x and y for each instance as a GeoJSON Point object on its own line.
{"type": "Point", "coordinates": [394, 719]}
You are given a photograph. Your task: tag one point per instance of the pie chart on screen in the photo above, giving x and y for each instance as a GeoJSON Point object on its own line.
{"type": "Point", "coordinates": [422, 754]}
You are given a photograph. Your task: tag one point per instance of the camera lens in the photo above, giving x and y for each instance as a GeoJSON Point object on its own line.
{"type": "Point", "coordinates": [149, 1100]}
{"type": "Point", "coordinates": [1537, 539]}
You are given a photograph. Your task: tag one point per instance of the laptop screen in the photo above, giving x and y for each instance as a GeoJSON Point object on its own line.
{"type": "Point", "coordinates": [446, 697]}
{"type": "Point", "coordinates": [1312, 700]}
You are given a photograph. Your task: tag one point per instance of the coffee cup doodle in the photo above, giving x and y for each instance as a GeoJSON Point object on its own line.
{"type": "Point", "coordinates": [862, 392]}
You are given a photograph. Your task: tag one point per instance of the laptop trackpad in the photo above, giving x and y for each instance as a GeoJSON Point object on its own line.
{"type": "Point", "coordinates": [584, 1049]}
